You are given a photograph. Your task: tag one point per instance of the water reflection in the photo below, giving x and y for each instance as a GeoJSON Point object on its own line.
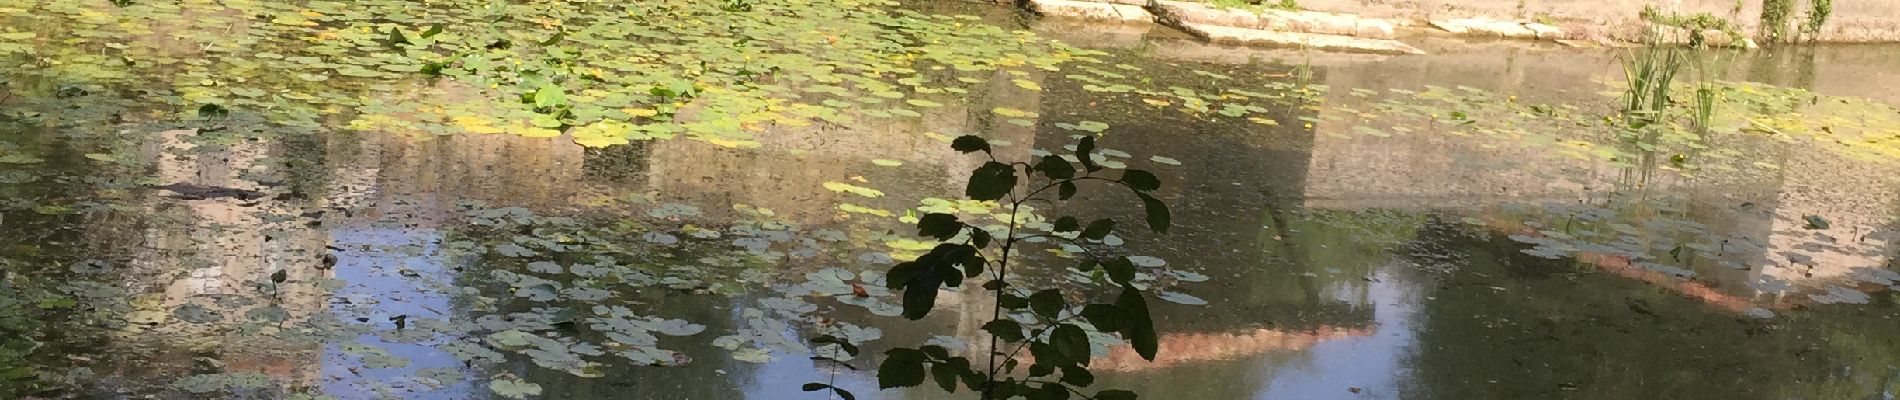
{"type": "Point", "coordinates": [1346, 265]}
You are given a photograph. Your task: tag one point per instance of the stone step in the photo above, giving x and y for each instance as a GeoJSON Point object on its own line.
{"type": "Point", "coordinates": [1257, 37]}
{"type": "Point", "coordinates": [1179, 12]}
{"type": "Point", "coordinates": [1124, 13]}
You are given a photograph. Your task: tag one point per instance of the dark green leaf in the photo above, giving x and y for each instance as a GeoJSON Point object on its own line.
{"type": "Point", "coordinates": [970, 143]}
{"type": "Point", "coordinates": [280, 276]}
{"type": "Point", "coordinates": [1050, 391]}
{"type": "Point", "coordinates": [901, 368]}
{"type": "Point", "coordinates": [1005, 329]}
{"type": "Point", "coordinates": [1012, 302]}
{"type": "Point", "coordinates": [842, 394]}
{"type": "Point", "coordinates": [1065, 190]}
{"type": "Point", "coordinates": [1047, 354]}
{"type": "Point", "coordinates": [920, 296]}
{"type": "Point", "coordinates": [1158, 216]}
{"type": "Point", "coordinates": [1041, 370]}
{"type": "Point", "coordinates": [1084, 151]}
{"type": "Point", "coordinates": [935, 352]}
{"type": "Point", "coordinates": [992, 181]}
{"type": "Point", "coordinates": [940, 226]}
{"type": "Point", "coordinates": [946, 375]}
{"type": "Point", "coordinates": [1141, 180]}
{"type": "Point", "coordinates": [1120, 269]}
{"type": "Point", "coordinates": [1099, 229]}
{"type": "Point", "coordinates": [396, 37]}
{"type": "Point", "coordinates": [1105, 317]}
{"type": "Point", "coordinates": [1072, 342]}
{"type": "Point", "coordinates": [1067, 224]}
{"type": "Point", "coordinates": [1816, 222]}
{"type": "Point", "coordinates": [1047, 302]}
{"type": "Point", "coordinates": [901, 274]}
{"type": "Point", "coordinates": [1078, 376]}
{"type": "Point", "coordinates": [842, 344]}
{"type": "Point", "coordinates": [1139, 328]}
{"type": "Point", "coordinates": [433, 30]}
{"type": "Point", "coordinates": [558, 36]}
{"type": "Point", "coordinates": [1055, 167]}
{"type": "Point", "coordinates": [1115, 395]}
{"type": "Point", "coordinates": [980, 238]}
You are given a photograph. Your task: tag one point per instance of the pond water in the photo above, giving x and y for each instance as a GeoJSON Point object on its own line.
{"type": "Point", "coordinates": [1465, 224]}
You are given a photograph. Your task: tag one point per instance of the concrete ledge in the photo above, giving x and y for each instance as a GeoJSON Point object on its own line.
{"type": "Point", "coordinates": [1125, 13]}
{"type": "Point", "coordinates": [1275, 20]}
{"type": "Point", "coordinates": [1256, 37]}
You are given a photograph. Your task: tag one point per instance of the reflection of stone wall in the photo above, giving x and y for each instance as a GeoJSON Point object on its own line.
{"type": "Point", "coordinates": [1435, 170]}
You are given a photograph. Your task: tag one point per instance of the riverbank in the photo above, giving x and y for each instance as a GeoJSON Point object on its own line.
{"type": "Point", "coordinates": [1352, 26]}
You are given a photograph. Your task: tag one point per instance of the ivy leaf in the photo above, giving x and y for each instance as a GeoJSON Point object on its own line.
{"type": "Point", "coordinates": [1047, 302]}
{"type": "Point", "coordinates": [1084, 150]}
{"type": "Point", "coordinates": [1055, 167]}
{"type": "Point", "coordinates": [970, 143]}
{"type": "Point", "coordinates": [1140, 327]}
{"type": "Point", "coordinates": [992, 181]}
{"type": "Point", "coordinates": [1141, 180]}
{"type": "Point", "coordinates": [1067, 224]}
{"type": "Point", "coordinates": [1099, 229]}
{"type": "Point", "coordinates": [940, 226]}
{"type": "Point", "coordinates": [1008, 330]}
{"type": "Point", "coordinates": [1158, 216]}
{"type": "Point", "coordinates": [1071, 341]}
{"type": "Point", "coordinates": [1066, 190]}
{"type": "Point", "coordinates": [901, 368]}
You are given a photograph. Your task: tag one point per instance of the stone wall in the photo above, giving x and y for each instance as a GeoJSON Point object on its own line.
{"type": "Point", "coordinates": [1851, 21]}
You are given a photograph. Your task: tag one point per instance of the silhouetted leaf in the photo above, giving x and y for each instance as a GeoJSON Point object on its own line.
{"type": "Point", "coordinates": [1105, 317]}
{"type": "Point", "coordinates": [1141, 180]}
{"type": "Point", "coordinates": [1072, 341]}
{"type": "Point", "coordinates": [842, 394]}
{"type": "Point", "coordinates": [946, 373]}
{"type": "Point", "coordinates": [1115, 395]}
{"type": "Point", "coordinates": [1099, 229]}
{"type": "Point", "coordinates": [940, 226]}
{"type": "Point", "coordinates": [1055, 167]}
{"type": "Point", "coordinates": [901, 368]}
{"type": "Point", "coordinates": [1065, 190]}
{"type": "Point", "coordinates": [992, 181]}
{"type": "Point", "coordinates": [970, 143]}
{"type": "Point", "coordinates": [1067, 224]}
{"type": "Point", "coordinates": [1005, 329]}
{"type": "Point", "coordinates": [1047, 302]}
{"type": "Point", "coordinates": [1158, 216]}
{"type": "Point", "coordinates": [1139, 328]}
{"type": "Point", "coordinates": [1084, 152]}
{"type": "Point", "coordinates": [1077, 376]}
{"type": "Point", "coordinates": [1120, 269]}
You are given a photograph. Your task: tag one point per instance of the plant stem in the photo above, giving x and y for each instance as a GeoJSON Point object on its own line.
{"type": "Point", "coordinates": [1002, 276]}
